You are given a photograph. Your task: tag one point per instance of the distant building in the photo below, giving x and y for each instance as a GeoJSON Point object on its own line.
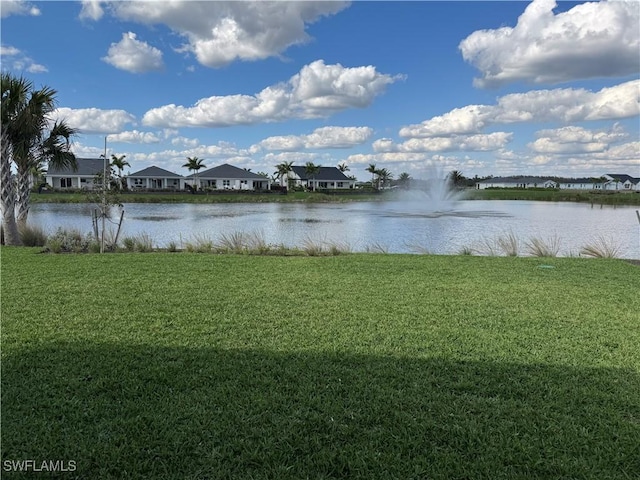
{"type": "Point", "coordinates": [228, 177]}
{"type": "Point", "coordinates": [83, 178]}
{"type": "Point", "coordinates": [155, 178]}
{"type": "Point", "coordinates": [516, 182]}
{"type": "Point", "coordinates": [617, 181]}
{"type": "Point", "coordinates": [326, 178]}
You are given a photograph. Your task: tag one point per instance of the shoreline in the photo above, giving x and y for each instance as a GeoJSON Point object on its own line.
{"type": "Point", "coordinates": [574, 196]}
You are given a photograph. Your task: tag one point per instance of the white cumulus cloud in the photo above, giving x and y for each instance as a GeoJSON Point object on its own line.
{"type": "Point", "coordinates": [91, 10]}
{"type": "Point", "coordinates": [220, 32]}
{"type": "Point", "coordinates": [134, 56]}
{"type": "Point", "coordinates": [18, 7]}
{"type": "Point", "coordinates": [324, 137]}
{"type": "Point", "coordinates": [95, 120]}
{"type": "Point", "coordinates": [561, 104]}
{"type": "Point", "coordinates": [134, 136]}
{"type": "Point", "coordinates": [477, 143]}
{"type": "Point", "coordinates": [14, 59]}
{"type": "Point", "coordinates": [591, 40]}
{"type": "Point", "coordinates": [317, 91]}
{"type": "Point", "coordinates": [575, 140]}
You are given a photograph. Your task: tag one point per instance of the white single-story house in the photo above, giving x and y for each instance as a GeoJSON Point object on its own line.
{"type": "Point", "coordinates": [580, 184]}
{"type": "Point", "coordinates": [326, 178]}
{"type": "Point", "coordinates": [617, 181]}
{"type": "Point", "coordinates": [516, 182]}
{"type": "Point", "coordinates": [228, 177]}
{"type": "Point", "coordinates": [81, 178]}
{"type": "Point", "coordinates": [155, 178]}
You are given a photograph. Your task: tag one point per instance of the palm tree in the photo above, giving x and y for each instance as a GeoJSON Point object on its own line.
{"type": "Point", "coordinates": [283, 169]}
{"type": "Point", "coordinates": [311, 170]}
{"type": "Point", "coordinates": [194, 164]}
{"type": "Point", "coordinates": [8, 194]}
{"type": "Point", "coordinates": [38, 172]}
{"type": "Point", "coordinates": [373, 171]}
{"type": "Point", "coordinates": [384, 176]}
{"type": "Point", "coordinates": [404, 180]}
{"type": "Point", "coordinates": [343, 167]}
{"type": "Point", "coordinates": [119, 163]}
{"type": "Point", "coordinates": [28, 140]}
{"type": "Point", "coordinates": [456, 177]}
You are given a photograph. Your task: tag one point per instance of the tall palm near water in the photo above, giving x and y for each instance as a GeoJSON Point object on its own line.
{"type": "Point", "coordinates": [194, 164]}
{"type": "Point", "coordinates": [311, 169]}
{"type": "Point", "coordinates": [404, 180]}
{"type": "Point", "coordinates": [456, 177]}
{"type": "Point", "coordinates": [384, 176]}
{"type": "Point", "coordinates": [373, 171]}
{"type": "Point", "coordinates": [282, 170]}
{"type": "Point", "coordinates": [119, 163]}
{"type": "Point", "coordinates": [28, 140]}
{"type": "Point", "coordinates": [343, 167]}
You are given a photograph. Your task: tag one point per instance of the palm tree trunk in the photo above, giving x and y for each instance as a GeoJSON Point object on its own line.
{"type": "Point", "coordinates": [23, 197]}
{"type": "Point", "coordinates": [7, 197]}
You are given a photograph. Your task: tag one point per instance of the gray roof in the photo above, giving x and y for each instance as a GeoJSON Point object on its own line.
{"type": "Point", "coordinates": [577, 180]}
{"type": "Point", "coordinates": [230, 172]}
{"type": "Point", "coordinates": [86, 167]}
{"type": "Point", "coordinates": [621, 177]}
{"type": "Point", "coordinates": [332, 174]}
{"type": "Point", "coordinates": [516, 180]}
{"type": "Point", "coordinates": [155, 172]}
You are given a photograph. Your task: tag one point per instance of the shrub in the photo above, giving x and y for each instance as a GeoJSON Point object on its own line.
{"type": "Point", "coordinates": [312, 247]}
{"type": "Point", "coordinates": [33, 236]}
{"type": "Point", "coordinates": [129, 243]}
{"type": "Point", "coordinates": [68, 241]}
{"type": "Point", "coordinates": [232, 243]}
{"type": "Point", "coordinates": [172, 247]}
{"type": "Point", "coordinates": [199, 244]}
{"type": "Point", "coordinates": [144, 243]}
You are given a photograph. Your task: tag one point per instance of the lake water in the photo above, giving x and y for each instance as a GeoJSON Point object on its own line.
{"type": "Point", "coordinates": [393, 226]}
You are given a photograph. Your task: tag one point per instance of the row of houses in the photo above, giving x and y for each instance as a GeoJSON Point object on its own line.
{"type": "Point", "coordinates": [608, 182]}
{"type": "Point", "coordinates": [221, 177]}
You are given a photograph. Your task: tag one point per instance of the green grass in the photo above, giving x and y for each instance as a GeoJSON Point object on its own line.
{"type": "Point", "coordinates": [185, 197]}
{"type": "Point", "coordinates": [362, 366]}
{"type": "Point", "coordinates": [552, 195]}
{"type": "Point", "coordinates": [539, 194]}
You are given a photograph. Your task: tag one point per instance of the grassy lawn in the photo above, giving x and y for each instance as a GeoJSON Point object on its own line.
{"type": "Point", "coordinates": [185, 197]}
{"type": "Point", "coordinates": [553, 195]}
{"type": "Point", "coordinates": [599, 198]}
{"type": "Point", "coordinates": [361, 366]}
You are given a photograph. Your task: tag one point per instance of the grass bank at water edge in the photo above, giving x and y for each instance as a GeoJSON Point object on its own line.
{"type": "Point", "coordinates": [360, 366]}
{"type": "Point", "coordinates": [596, 198]}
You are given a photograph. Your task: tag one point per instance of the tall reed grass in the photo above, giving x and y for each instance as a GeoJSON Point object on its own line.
{"type": "Point", "coordinates": [601, 247]}
{"type": "Point", "coordinates": [539, 247]}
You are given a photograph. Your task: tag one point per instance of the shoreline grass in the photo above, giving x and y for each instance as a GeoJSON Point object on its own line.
{"type": "Point", "coordinates": [592, 197]}
{"type": "Point", "coordinates": [359, 366]}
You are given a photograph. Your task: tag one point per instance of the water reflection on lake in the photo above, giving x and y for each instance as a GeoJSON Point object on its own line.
{"type": "Point", "coordinates": [398, 227]}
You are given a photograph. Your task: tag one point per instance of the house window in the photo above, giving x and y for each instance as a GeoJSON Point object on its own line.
{"type": "Point", "coordinates": [243, 182]}
{"type": "Point", "coordinates": [137, 182]}
{"type": "Point", "coordinates": [226, 183]}
{"type": "Point", "coordinates": [340, 185]}
{"type": "Point", "coordinates": [66, 183]}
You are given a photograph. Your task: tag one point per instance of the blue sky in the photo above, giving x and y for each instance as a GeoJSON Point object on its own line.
{"type": "Point", "coordinates": [487, 88]}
